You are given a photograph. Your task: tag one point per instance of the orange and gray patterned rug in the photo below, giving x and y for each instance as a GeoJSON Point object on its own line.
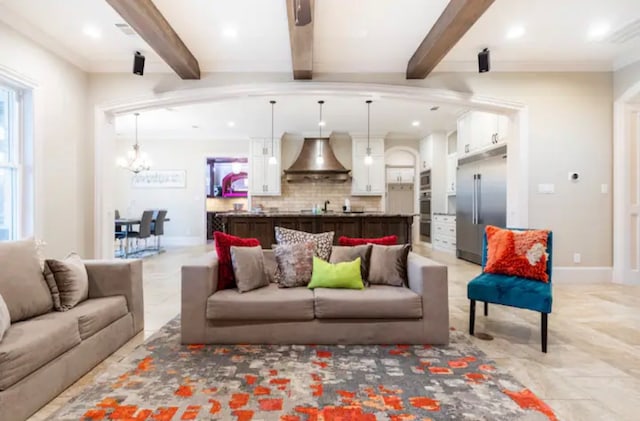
{"type": "Point", "coordinates": [165, 381]}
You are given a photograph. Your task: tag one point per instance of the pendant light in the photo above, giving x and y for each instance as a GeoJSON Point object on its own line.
{"type": "Point", "coordinates": [321, 124]}
{"type": "Point", "coordinates": [135, 161]}
{"type": "Point", "coordinates": [368, 159]}
{"type": "Point", "coordinates": [272, 158]}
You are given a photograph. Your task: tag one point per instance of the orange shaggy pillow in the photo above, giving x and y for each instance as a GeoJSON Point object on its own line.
{"type": "Point", "coordinates": [517, 253]}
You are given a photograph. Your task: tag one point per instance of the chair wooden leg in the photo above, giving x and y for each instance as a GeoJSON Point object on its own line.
{"type": "Point", "coordinates": [472, 316]}
{"type": "Point", "coordinates": [543, 331]}
{"type": "Point", "coordinates": [486, 308]}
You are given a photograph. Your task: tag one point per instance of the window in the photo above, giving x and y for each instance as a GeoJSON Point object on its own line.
{"type": "Point", "coordinates": [9, 163]}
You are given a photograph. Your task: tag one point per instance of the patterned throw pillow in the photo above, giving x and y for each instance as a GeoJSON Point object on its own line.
{"type": "Point", "coordinates": [517, 253]}
{"type": "Point", "coordinates": [322, 242]}
{"type": "Point", "coordinates": [223, 244]}
{"type": "Point", "coordinates": [389, 240]}
{"type": "Point", "coordinates": [295, 264]}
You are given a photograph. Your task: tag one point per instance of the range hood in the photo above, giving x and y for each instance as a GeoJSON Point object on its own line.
{"type": "Point", "coordinates": [317, 162]}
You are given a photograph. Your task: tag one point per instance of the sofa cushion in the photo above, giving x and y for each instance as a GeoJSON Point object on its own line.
{"type": "Point", "coordinates": [351, 253]}
{"type": "Point", "coordinates": [94, 314]}
{"type": "Point", "coordinates": [321, 242]}
{"type": "Point", "coordinates": [29, 345]}
{"type": "Point", "coordinates": [375, 302]}
{"type": "Point", "coordinates": [389, 265]}
{"type": "Point", "coordinates": [22, 283]}
{"type": "Point", "coordinates": [248, 268]}
{"type": "Point", "coordinates": [268, 303]}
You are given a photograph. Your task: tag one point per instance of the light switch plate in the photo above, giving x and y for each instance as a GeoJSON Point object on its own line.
{"type": "Point", "coordinates": [546, 188]}
{"type": "Point", "coordinates": [604, 188]}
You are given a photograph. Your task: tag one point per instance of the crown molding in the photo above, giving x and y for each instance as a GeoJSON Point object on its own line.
{"type": "Point", "coordinates": [30, 31]}
{"type": "Point", "coordinates": [527, 66]}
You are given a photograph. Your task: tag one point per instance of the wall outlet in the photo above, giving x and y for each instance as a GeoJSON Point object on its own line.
{"type": "Point", "coordinates": [604, 188]}
{"type": "Point", "coordinates": [577, 258]}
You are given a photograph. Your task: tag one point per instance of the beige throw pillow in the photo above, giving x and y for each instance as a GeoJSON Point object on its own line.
{"type": "Point", "coordinates": [389, 265]}
{"type": "Point", "coordinates": [248, 268]}
{"type": "Point", "coordinates": [5, 318]}
{"type": "Point", "coordinates": [341, 254]}
{"type": "Point", "coordinates": [67, 280]}
{"type": "Point", "coordinates": [21, 282]}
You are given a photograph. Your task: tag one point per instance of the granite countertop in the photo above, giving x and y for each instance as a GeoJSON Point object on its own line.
{"type": "Point", "coordinates": [444, 213]}
{"type": "Point", "coordinates": [309, 214]}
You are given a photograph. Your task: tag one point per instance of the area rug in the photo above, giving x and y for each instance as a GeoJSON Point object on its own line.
{"type": "Point", "coordinates": [165, 381]}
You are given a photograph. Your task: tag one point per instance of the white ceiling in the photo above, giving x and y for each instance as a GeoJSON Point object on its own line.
{"type": "Point", "coordinates": [293, 114]}
{"type": "Point", "coordinates": [350, 35]}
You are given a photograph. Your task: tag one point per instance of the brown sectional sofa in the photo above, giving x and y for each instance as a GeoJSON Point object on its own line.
{"type": "Point", "coordinates": [41, 356]}
{"type": "Point", "coordinates": [379, 314]}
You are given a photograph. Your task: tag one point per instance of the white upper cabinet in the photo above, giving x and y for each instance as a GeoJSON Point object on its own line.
{"type": "Point", "coordinates": [264, 178]}
{"type": "Point", "coordinates": [479, 131]}
{"type": "Point", "coordinates": [426, 153]}
{"type": "Point", "coordinates": [368, 180]}
{"type": "Point", "coordinates": [400, 175]}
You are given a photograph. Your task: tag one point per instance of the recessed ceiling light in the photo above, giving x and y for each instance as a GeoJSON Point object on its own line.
{"type": "Point", "coordinates": [415, 123]}
{"type": "Point", "coordinates": [92, 31]}
{"type": "Point", "coordinates": [230, 32]}
{"type": "Point", "coordinates": [434, 108]}
{"type": "Point", "coordinates": [515, 32]}
{"type": "Point", "coordinates": [231, 124]}
{"type": "Point", "coordinates": [598, 31]}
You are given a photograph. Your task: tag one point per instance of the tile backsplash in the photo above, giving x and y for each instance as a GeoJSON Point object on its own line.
{"type": "Point", "coordinates": [303, 196]}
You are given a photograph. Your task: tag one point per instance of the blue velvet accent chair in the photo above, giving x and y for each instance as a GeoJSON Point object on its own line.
{"type": "Point", "coordinates": [512, 291]}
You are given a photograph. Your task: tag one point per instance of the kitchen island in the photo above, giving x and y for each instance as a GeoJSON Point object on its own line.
{"type": "Point", "coordinates": [361, 225]}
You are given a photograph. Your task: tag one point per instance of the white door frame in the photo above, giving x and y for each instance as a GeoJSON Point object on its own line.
{"type": "Point", "coordinates": [104, 132]}
{"type": "Point", "coordinates": [626, 129]}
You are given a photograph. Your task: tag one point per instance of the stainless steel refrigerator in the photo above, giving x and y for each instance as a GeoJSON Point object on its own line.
{"type": "Point", "coordinates": [481, 200]}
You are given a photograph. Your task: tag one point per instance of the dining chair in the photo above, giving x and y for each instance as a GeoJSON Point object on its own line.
{"type": "Point", "coordinates": [157, 227]}
{"type": "Point", "coordinates": [145, 229]}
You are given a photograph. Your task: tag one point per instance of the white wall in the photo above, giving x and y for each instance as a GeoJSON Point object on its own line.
{"type": "Point", "coordinates": [60, 140]}
{"type": "Point", "coordinates": [570, 126]}
{"type": "Point", "coordinates": [186, 206]}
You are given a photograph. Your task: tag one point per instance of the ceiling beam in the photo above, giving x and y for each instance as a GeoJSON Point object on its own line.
{"type": "Point", "coordinates": [145, 18]}
{"type": "Point", "coordinates": [453, 23]}
{"type": "Point", "coordinates": [301, 38]}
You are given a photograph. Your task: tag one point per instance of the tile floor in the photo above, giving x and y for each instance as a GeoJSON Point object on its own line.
{"type": "Point", "coordinates": [592, 370]}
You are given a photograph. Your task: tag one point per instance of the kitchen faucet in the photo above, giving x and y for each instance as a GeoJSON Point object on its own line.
{"type": "Point", "coordinates": [324, 209]}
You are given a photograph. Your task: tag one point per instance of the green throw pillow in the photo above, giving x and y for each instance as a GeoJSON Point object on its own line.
{"type": "Point", "coordinates": [337, 275]}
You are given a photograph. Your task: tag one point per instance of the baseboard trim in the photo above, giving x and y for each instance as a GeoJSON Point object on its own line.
{"type": "Point", "coordinates": [582, 275]}
{"type": "Point", "coordinates": [181, 241]}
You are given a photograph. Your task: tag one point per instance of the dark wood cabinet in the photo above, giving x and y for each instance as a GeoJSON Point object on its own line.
{"type": "Point", "coordinates": [361, 226]}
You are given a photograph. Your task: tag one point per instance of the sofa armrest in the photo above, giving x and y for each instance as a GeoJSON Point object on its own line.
{"type": "Point", "coordinates": [199, 281]}
{"type": "Point", "coordinates": [429, 279]}
{"type": "Point", "coordinates": [118, 277]}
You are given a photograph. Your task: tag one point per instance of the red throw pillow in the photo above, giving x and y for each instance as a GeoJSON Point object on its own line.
{"type": "Point", "coordinates": [517, 253]}
{"type": "Point", "coordinates": [223, 243]}
{"type": "Point", "coordinates": [389, 240]}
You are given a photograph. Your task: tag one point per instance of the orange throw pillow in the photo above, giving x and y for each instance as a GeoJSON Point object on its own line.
{"type": "Point", "coordinates": [517, 253]}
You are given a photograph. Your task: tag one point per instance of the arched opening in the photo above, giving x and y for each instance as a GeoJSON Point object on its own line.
{"type": "Point", "coordinates": [517, 205]}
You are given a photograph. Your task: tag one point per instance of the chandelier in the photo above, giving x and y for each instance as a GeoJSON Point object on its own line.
{"type": "Point", "coordinates": [135, 161]}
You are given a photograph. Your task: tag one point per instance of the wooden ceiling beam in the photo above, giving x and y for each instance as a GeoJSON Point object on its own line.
{"type": "Point", "coordinates": [145, 18]}
{"type": "Point", "coordinates": [453, 23]}
{"type": "Point", "coordinates": [301, 38]}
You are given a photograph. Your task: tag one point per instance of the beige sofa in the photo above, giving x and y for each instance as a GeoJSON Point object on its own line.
{"type": "Point", "coordinates": [378, 314]}
{"type": "Point", "coordinates": [41, 356]}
